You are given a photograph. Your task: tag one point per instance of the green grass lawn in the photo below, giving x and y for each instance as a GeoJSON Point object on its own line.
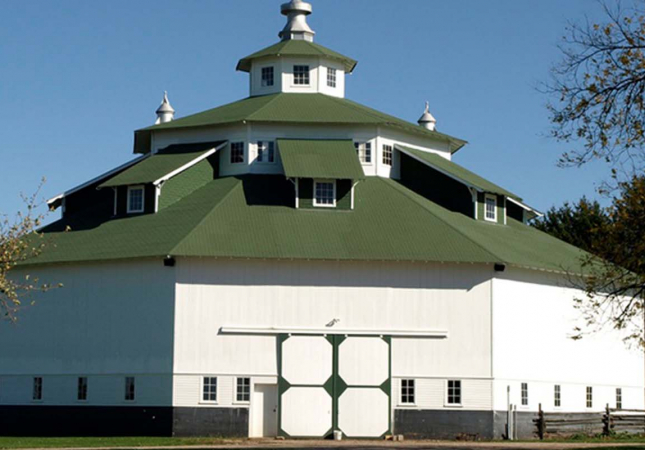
{"type": "Point", "coordinates": [127, 442]}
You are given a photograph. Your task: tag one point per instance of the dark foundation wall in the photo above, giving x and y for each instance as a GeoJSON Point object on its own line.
{"type": "Point", "coordinates": [228, 422]}
{"type": "Point", "coordinates": [443, 424]}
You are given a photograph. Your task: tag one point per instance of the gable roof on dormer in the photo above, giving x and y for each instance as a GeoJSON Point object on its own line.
{"type": "Point", "coordinates": [316, 158]}
{"type": "Point", "coordinates": [296, 48]}
{"type": "Point", "coordinates": [164, 164]}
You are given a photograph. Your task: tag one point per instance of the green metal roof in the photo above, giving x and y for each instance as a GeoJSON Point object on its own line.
{"type": "Point", "coordinates": [296, 48]}
{"type": "Point", "coordinates": [160, 164]}
{"type": "Point", "coordinates": [389, 223]}
{"type": "Point", "coordinates": [456, 171]}
{"type": "Point", "coordinates": [332, 159]}
{"type": "Point", "coordinates": [292, 108]}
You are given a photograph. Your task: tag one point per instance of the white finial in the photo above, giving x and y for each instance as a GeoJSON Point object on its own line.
{"type": "Point", "coordinates": [165, 112]}
{"type": "Point", "coordinates": [297, 27]}
{"type": "Point", "coordinates": [427, 120]}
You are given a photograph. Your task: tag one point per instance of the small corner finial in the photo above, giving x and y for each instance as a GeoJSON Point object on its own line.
{"type": "Point", "coordinates": [427, 120]}
{"type": "Point", "coordinates": [165, 112]}
{"type": "Point", "coordinates": [427, 110]}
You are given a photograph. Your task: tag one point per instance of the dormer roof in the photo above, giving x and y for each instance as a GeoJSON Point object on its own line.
{"type": "Point", "coordinates": [297, 48]}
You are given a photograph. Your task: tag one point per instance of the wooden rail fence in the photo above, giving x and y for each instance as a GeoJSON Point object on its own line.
{"type": "Point", "coordinates": [609, 422]}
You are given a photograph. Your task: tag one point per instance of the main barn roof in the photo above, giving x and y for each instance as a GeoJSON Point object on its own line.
{"type": "Point", "coordinates": [389, 223]}
{"type": "Point", "coordinates": [292, 108]}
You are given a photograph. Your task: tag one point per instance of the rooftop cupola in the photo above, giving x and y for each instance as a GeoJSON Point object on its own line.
{"type": "Point", "coordinates": [297, 28]}
{"type": "Point", "coordinates": [165, 112]}
{"type": "Point", "coordinates": [427, 120]}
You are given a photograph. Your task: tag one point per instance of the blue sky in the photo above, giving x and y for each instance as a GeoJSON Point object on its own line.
{"type": "Point", "coordinates": [78, 77]}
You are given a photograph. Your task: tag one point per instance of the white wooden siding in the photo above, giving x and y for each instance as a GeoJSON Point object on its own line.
{"type": "Point", "coordinates": [430, 393]}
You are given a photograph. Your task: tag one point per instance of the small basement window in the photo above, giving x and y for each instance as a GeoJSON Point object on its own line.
{"type": "Point", "coordinates": [135, 199]}
{"type": "Point", "coordinates": [129, 389]}
{"type": "Point", "coordinates": [81, 394]}
{"type": "Point", "coordinates": [243, 394]}
{"type": "Point", "coordinates": [407, 392]}
{"type": "Point", "coordinates": [209, 389]}
{"type": "Point", "coordinates": [331, 77]}
{"type": "Point", "coordinates": [490, 208]}
{"type": "Point", "coordinates": [267, 77]}
{"type": "Point", "coordinates": [525, 394]}
{"type": "Point", "coordinates": [37, 393]}
{"type": "Point", "coordinates": [301, 75]}
{"type": "Point", "coordinates": [237, 152]}
{"type": "Point", "coordinates": [266, 152]}
{"type": "Point", "coordinates": [325, 194]}
{"type": "Point", "coordinates": [364, 151]}
{"type": "Point", "coordinates": [454, 392]}
{"type": "Point", "coordinates": [387, 155]}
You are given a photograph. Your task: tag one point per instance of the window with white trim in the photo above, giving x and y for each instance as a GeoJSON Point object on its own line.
{"type": "Point", "coordinates": [266, 152]}
{"type": "Point", "coordinates": [490, 208]}
{"type": "Point", "coordinates": [37, 392]}
{"type": "Point", "coordinates": [268, 78]}
{"type": "Point", "coordinates": [387, 154]}
{"type": "Point", "coordinates": [364, 151]}
{"type": "Point", "coordinates": [237, 152]}
{"type": "Point", "coordinates": [557, 396]}
{"type": "Point", "coordinates": [454, 392]}
{"type": "Point", "coordinates": [81, 391]}
{"type": "Point", "coordinates": [525, 394]}
{"type": "Point", "coordinates": [129, 389]}
{"type": "Point", "coordinates": [619, 398]}
{"type": "Point", "coordinates": [243, 390]}
{"type": "Point", "coordinates": [135, 199]}
{"type": "Point", "coordinates": [407, 392]}
{"type": "Point", "coordinates": [331, 77]}
{"type": "Point", "coordinates": [589, 397]}
{"type": "Point", "coordinates": [209, 389]}
{"type": "Point", "coordinates": [301, 75]}
{"type": "Point", "coordinates": [325, 193]}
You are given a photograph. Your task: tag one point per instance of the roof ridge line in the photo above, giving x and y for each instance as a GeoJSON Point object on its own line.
{"type": "Point", "coordinates": [275, 96]}
{"type": "Point", "coordinates": [233, 188]}
{"type": "Point", "coordinates": [399, 189]}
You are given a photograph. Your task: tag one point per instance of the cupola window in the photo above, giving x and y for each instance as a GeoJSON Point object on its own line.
{"type": "Point", "coordinates": [135, 199]}
{"type": "Point", "coordinates": [237, 153]}
{"type": "Point", "coordinates": [491, 208]}
{"type": "Point", "coordinates": [266, 152]}
{"type": "Point", "coordinates": [387, 155]}
{"type": "Point", "coordinates": [267, 76]}
{"type": "Point", "coordinates": [364, 150]}
{"type": "Point", "coordinates": [331, 77]}
{"type": "Point", "coordinates": [301, 75]}
{"type": "Point", "coordinates": [325, 194]}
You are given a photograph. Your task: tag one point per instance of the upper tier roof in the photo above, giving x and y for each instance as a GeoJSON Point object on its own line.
{"type": "Point", "coordinates": [389, 223]}
{"type": "Point", "coordinates": [296, 48]}
{"type": "Point", "coordinates": [292, 108]}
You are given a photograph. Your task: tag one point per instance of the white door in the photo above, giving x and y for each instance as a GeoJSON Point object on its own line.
{"type": "Point", "coordinates": [264, 421]}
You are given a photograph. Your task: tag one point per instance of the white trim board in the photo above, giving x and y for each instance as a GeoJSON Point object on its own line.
{"type": "Point", "coordinates": [440, 334]}
{"type": "Point", "coordinates": [189, 164]}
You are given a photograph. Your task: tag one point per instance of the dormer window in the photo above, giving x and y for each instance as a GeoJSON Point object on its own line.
{"type": "Point", "coordinates": [331, 77]}
{"type": "Point", "coordinates": [237, 153]}
{"type": "Point", "coordinates": [266, 152]}
{"type": "Point", "coordinates": [490, 212]}
{"type": "Point", "coordinates": [325, 194]}
{"type": "Point", "coordinates": [267, 76]}
{"type": "Point", "coordinates": [301, 75]}
{"type": "Point", "coordinates": [135, 199]}
{"type": "Point", "coordinates": [364, 150]}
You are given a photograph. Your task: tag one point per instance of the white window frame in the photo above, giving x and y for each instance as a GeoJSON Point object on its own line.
{"type": "Point", "coordinates": [237, 401]}
{"type": "Point", "coordinates": [388, 154]}
{"type": "Point", "coordinates": [315, 200]}
{"type": "Point", "coordinates": [267, 68]}
{"type": "Point", "coordinates": [306, 74]}
{"type": "Point", "coordinates": [203, 385]}
{"type": "Point", "coordinates": [266, 146]}
{"type": "Point", "coordinates": [78, 389]}
{"type": "Point", "coordinates": [557, 396]}
{"type": "Point", "coordinates": [141, 188]}
{"type": "Point", "coordinates": [127, 391]}
{"type": "Point", "coordinates": [524, 394]}
{"type": "Point", "coordinates": [488, 197]}
{"type": "Point", "coordinates": [461, 394]}
{"type": "Point", "coordinates": [231, 154]}
{"type": "Point", "coordinates": [40, 383]}
{"type": "Point", "coordinates": [363, 157]}
{"type": "Point", "coordinates": [402, 396]}
{"type": "Point", "coordinates": [332, 77]}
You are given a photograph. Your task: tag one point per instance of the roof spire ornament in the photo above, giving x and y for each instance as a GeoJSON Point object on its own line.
{"type": "Point", "coordinates": [297, 27]}
{"type": "Point", "coordinates": [165, 112]}
{"type": "Point", "coordinates": [427, 120]}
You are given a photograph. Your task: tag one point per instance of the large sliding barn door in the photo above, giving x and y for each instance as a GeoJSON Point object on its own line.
{"type": "Point", "coordinates": [332, 383]}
